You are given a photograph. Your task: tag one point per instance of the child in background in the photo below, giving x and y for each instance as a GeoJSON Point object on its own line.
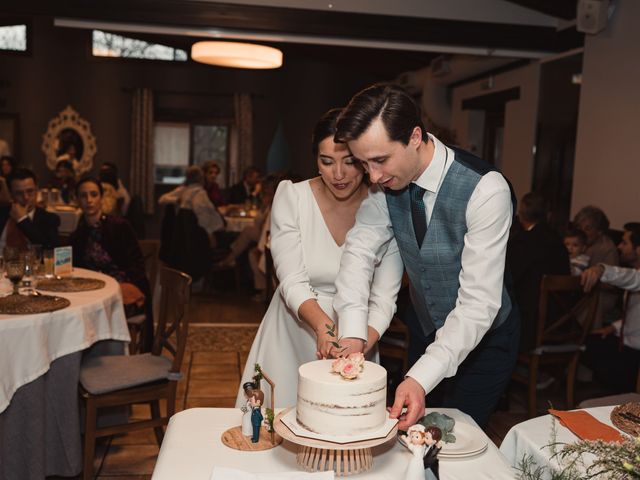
{"type": "Point", "coordinates": [576, 242]}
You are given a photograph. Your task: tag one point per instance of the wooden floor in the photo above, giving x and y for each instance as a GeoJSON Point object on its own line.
{"type": "Point", "coordinates": [221, 331]}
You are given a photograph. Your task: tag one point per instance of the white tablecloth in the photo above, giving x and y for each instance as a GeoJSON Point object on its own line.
{"type": "Point", "coordinates": [192, 447]}
{"type": "Point", "coordinates": [68, 219]}
{"type": "Point", "coordinates": [531, 438]}
{"type": "Point", "coordinates": [237, 224]}
{"type": "Point", "coordinates": [30, 343]}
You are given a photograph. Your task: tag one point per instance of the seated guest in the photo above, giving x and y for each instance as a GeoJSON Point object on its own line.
{"type": "Point", "coordinates": [119, 198]}
{"type": "Point", "coordinates": [211, 171]}
{"type": "Point", "coordinates": [534, 249]}
{"type": "Point", "coordinates": [23, 222]}
{"type": "Point", "coordinates": [107, 244]}
{"type": "Point", "coordinates": [601, 249]}
{"type": "Point", "coordinates": [192, 196]}
{"type": "Point", "coordinates": [247, 189]}
{"type": "Point", "coordinates": [613, 351]}
{"type": "Point", "coordinates": [575, 242]}
{"type": "Point", "coordinates": [64, 180]}
{"type": "Point", "coordinates": [7, 165]}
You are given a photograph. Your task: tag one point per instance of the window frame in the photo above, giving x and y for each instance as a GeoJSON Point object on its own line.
{"type": "Point", "coordinates": [28, 23]}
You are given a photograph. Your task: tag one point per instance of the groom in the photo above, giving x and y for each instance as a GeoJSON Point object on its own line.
{"type": "Point", "coordinates": [450, 214]}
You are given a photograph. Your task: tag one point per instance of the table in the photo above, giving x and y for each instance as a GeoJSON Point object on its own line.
{"type": "Point", "coordinates": [238, 224]}
{"type": "Point", "coordinates": [192, 447]}
{"type": "Point", "coordinates": [530, 438]}
{"type": "Point", "coordinates": [68, 219]}
{"type": "Point", "coordinates": [40, 359]}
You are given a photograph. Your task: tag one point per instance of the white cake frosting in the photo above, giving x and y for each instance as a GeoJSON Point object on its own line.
{"type": "Point", "coordinates": [329, 404]}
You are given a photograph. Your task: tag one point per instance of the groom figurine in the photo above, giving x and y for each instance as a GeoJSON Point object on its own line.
{"type": "Point", "coordinates": [450, 214]}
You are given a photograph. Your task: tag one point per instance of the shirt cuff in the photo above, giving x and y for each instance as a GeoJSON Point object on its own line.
{"type": "Point", "coordinates": [23, 218]}
{"type": "Point", "coordinates": [297, 296]}
{"type": "Point", "coordinates": [353, 324]}
{"type": "Point", "coordinates": [428, 372]}
{"type": "Point", "coordinates": [379, 321]}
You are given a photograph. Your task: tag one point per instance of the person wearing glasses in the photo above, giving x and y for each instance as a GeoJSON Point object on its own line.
{"type": "Point", "coordinates": [22, 222]}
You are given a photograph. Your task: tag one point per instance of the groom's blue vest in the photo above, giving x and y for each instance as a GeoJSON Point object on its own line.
{"type": "Point", "coordinates": [434, 269]}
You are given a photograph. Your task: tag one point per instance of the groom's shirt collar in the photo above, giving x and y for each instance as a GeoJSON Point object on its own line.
{"type": "Point", "coordinates": [434, 174]}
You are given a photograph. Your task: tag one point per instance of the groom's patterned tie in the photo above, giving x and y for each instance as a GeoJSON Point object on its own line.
{"type": "Point", "coordinates": [418, 215]}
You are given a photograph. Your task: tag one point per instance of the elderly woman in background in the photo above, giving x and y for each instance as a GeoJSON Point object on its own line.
{"type": "Point", "coordinates": [211, 170]}
{"type": "Point", "coordinates": [192, 196]}
{"type": "Point", "coordinates": [107, 244]}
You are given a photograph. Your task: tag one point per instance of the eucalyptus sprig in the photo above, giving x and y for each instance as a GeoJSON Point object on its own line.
{"type": "Point", "coordinates": [331, 331]}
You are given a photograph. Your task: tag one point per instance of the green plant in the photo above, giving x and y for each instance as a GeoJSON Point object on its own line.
{"type": "Point", "coordinates": [331, 331]}
{"type": "Point", "coordinates": [444, 422]}
{"type": "Point", "coordinates": [258, 375]}
{"type": "Point", "coordinates": [269, 417]}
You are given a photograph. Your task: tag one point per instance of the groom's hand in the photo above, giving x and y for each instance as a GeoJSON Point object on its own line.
{"type": "Point", "coordinates": [410, 394]}
{"type": "Point", "coordinates": [349, 345]}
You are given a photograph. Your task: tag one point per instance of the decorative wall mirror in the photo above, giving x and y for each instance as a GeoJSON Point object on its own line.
{"type": "Point", "coordinates": [69, 137]}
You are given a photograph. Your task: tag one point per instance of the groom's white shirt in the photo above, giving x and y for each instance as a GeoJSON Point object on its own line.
{"type": "Point", "coordinates": [488, 216]}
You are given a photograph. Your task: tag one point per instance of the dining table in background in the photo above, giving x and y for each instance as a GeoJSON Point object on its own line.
{"type": "Point", "coordinates": [69, 217]}
{"type": "Point", "coordinates": [40, 358]}
{"type": "Point", "coordinates": [531, 440]}
{"type": "Point", "coordinates": [192, 446]}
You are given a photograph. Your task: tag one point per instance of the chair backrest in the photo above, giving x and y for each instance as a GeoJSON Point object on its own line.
{"type": "Point", "coordinates": [150, 250]}
{"type": "Point", "coordinates": [565, 312]}
{"type": "Point", "coordinates": [173, 322]}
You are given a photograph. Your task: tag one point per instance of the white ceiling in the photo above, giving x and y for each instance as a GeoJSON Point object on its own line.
{"type": "Point", "coordinates": [495, 11]}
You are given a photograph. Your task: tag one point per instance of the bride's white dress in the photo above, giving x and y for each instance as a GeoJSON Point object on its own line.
{"type": "Point", "coordinates": [307, 260]}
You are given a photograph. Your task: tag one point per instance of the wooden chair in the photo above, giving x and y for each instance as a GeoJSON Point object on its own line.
{"type": "Point", "coordinates": [118, 380]}
{"type": "Point", "coordinates": [150, 250]}
{"type": "Point", "coordinates": [395, 343]}
{"type": "Point", "coordinates": [565, 316]}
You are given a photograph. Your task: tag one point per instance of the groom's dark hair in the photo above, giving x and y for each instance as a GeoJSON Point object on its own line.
{"type": "Point", "coordinates": [399, 113]}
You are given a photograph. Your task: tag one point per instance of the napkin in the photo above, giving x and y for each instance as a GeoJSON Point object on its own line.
{"type": "Point", "coordinates": [586, 427]}
{"type": "Point", "coordinates": [222, 473]}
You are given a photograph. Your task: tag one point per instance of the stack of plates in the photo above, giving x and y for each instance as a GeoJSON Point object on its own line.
{"type": "Point", "coordinates": [470, 441]}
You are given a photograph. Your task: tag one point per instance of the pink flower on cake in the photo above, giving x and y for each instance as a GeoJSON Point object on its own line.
{"type": "Point", "coordinates": [338, 363]}
{"type": "Point", "coordinates": [357, 359]}
{"type": "Point", "coordinates": [349, 370]}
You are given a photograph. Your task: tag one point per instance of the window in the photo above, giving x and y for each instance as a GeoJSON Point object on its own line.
{"type": "Point", "coordinates": [180, 144]}
{"type": "Point", "coordinates": [107, 44]}
{"type": "Point", "coordinates": [13, 37]}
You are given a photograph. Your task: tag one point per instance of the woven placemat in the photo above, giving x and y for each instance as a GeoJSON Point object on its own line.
{"type": "Point", "coordinates": [627, 418]}
{"type": "Point", "coordinates": [70, 284]}
{"type": "Point", "coordinates": [29, 304]}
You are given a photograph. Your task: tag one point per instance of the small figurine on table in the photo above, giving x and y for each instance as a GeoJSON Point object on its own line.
{"type": "Point", "coordinates": [432, 439]}
{"type": "Point", "coordinates": [256, 414]}
{"type": "Point", "coordinates": [415, 441]}
{"type": "Point", "coordinates": [247, 428]}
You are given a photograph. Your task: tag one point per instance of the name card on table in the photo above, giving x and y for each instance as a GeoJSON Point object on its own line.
{"type": "Point", "coordinates": [63, 261]}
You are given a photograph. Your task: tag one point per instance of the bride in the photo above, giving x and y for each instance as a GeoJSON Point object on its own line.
{"type": "Point", "coordinates": [309, 223]}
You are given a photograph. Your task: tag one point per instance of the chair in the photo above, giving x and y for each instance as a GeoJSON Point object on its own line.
{"type": "Point", "coordinates": [150, 250]}
{"type": "Point", "coordinates": [119, 380]}
{"type": "Point", "coordinates": [565, 316]}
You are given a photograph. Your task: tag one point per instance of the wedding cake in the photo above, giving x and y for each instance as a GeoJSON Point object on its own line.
{"type": "Point", "coordinates": [341, 397]}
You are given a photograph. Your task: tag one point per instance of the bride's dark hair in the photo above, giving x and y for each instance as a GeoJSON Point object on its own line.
{"type": "Point", "coordinates": [326, 127]}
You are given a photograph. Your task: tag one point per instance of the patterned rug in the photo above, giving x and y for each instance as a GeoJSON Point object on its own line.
{"type": "Point", "coordinates": [221, 337]}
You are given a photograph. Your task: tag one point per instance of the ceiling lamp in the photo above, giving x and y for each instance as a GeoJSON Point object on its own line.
{"type": "Point", "coordinates": [236, 54]}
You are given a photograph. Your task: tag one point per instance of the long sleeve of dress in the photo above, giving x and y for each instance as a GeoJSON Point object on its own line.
{"type": "Point", "coordinates": [286, 247]}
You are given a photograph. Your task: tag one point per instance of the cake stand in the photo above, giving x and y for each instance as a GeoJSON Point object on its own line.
{"type": "Point", "coordinates": [321, 455]}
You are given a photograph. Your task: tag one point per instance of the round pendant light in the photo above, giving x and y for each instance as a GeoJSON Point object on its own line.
{"type": "Point", "coordinates": [236, 55]}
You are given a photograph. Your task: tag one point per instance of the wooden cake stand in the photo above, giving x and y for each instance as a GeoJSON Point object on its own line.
{"type": "Point", "coordinates": [321, 455]}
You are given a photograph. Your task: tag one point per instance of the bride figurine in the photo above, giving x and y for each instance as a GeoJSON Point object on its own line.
{"type": "Point", "coordinates": [247, 427]}
{"type": "Point", "coordinates": [415, 440]}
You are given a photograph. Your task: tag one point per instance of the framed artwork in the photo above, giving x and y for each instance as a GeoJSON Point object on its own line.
{"type": "Point", "coordinates": [9, 134]}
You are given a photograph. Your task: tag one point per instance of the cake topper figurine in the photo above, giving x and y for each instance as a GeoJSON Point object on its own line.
{"type": "Point", "coordinates": [424, 444]}
{"type": "Point", "coordinates": [247, 428]}
{"type": "Point", "coordinates": [256, 414]}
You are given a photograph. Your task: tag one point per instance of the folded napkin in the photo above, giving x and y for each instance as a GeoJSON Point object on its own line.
{"type": "Point", "coordinates": [586, 427]}
{"type": "Point", "coordinates": [222, 473]}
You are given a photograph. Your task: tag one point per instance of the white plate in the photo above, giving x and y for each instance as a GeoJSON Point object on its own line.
{"type": "Point", "coordinates": [289, 419]}
{"type": "Point", "coordinates": [470, 441]}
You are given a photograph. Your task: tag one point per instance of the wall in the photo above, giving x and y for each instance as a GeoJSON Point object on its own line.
{"type": "Point", "coordinates": [61, 71]}
{"type": "Point", "coordinates": [607, 163]}
{"type": "Point", "coordinates": [520, 122]}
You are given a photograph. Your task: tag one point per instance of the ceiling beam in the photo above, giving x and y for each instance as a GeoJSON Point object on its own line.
{"type": "Point", "coordinates": [565, 9]}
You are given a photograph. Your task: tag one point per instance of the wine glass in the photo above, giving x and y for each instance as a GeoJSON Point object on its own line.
{"type": "Point", "coordinates": [15, 271]}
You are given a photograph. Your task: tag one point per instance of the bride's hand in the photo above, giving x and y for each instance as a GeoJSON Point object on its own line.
{"type": "Point", "coordinates": [324, 343]}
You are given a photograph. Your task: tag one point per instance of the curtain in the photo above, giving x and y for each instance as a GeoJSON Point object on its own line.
{"type": "Point", "coordinates": [142, 171]}
{"type": "Point", "coordinates": [242, 138]}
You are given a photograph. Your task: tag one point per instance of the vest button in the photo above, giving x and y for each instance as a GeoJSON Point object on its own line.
{"type": "Point", "coordinates": [422, 269]}
{"type": "Point", "coordinates": [431, 304]}
{"type": "Point", "coordinates": [427, 287]}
